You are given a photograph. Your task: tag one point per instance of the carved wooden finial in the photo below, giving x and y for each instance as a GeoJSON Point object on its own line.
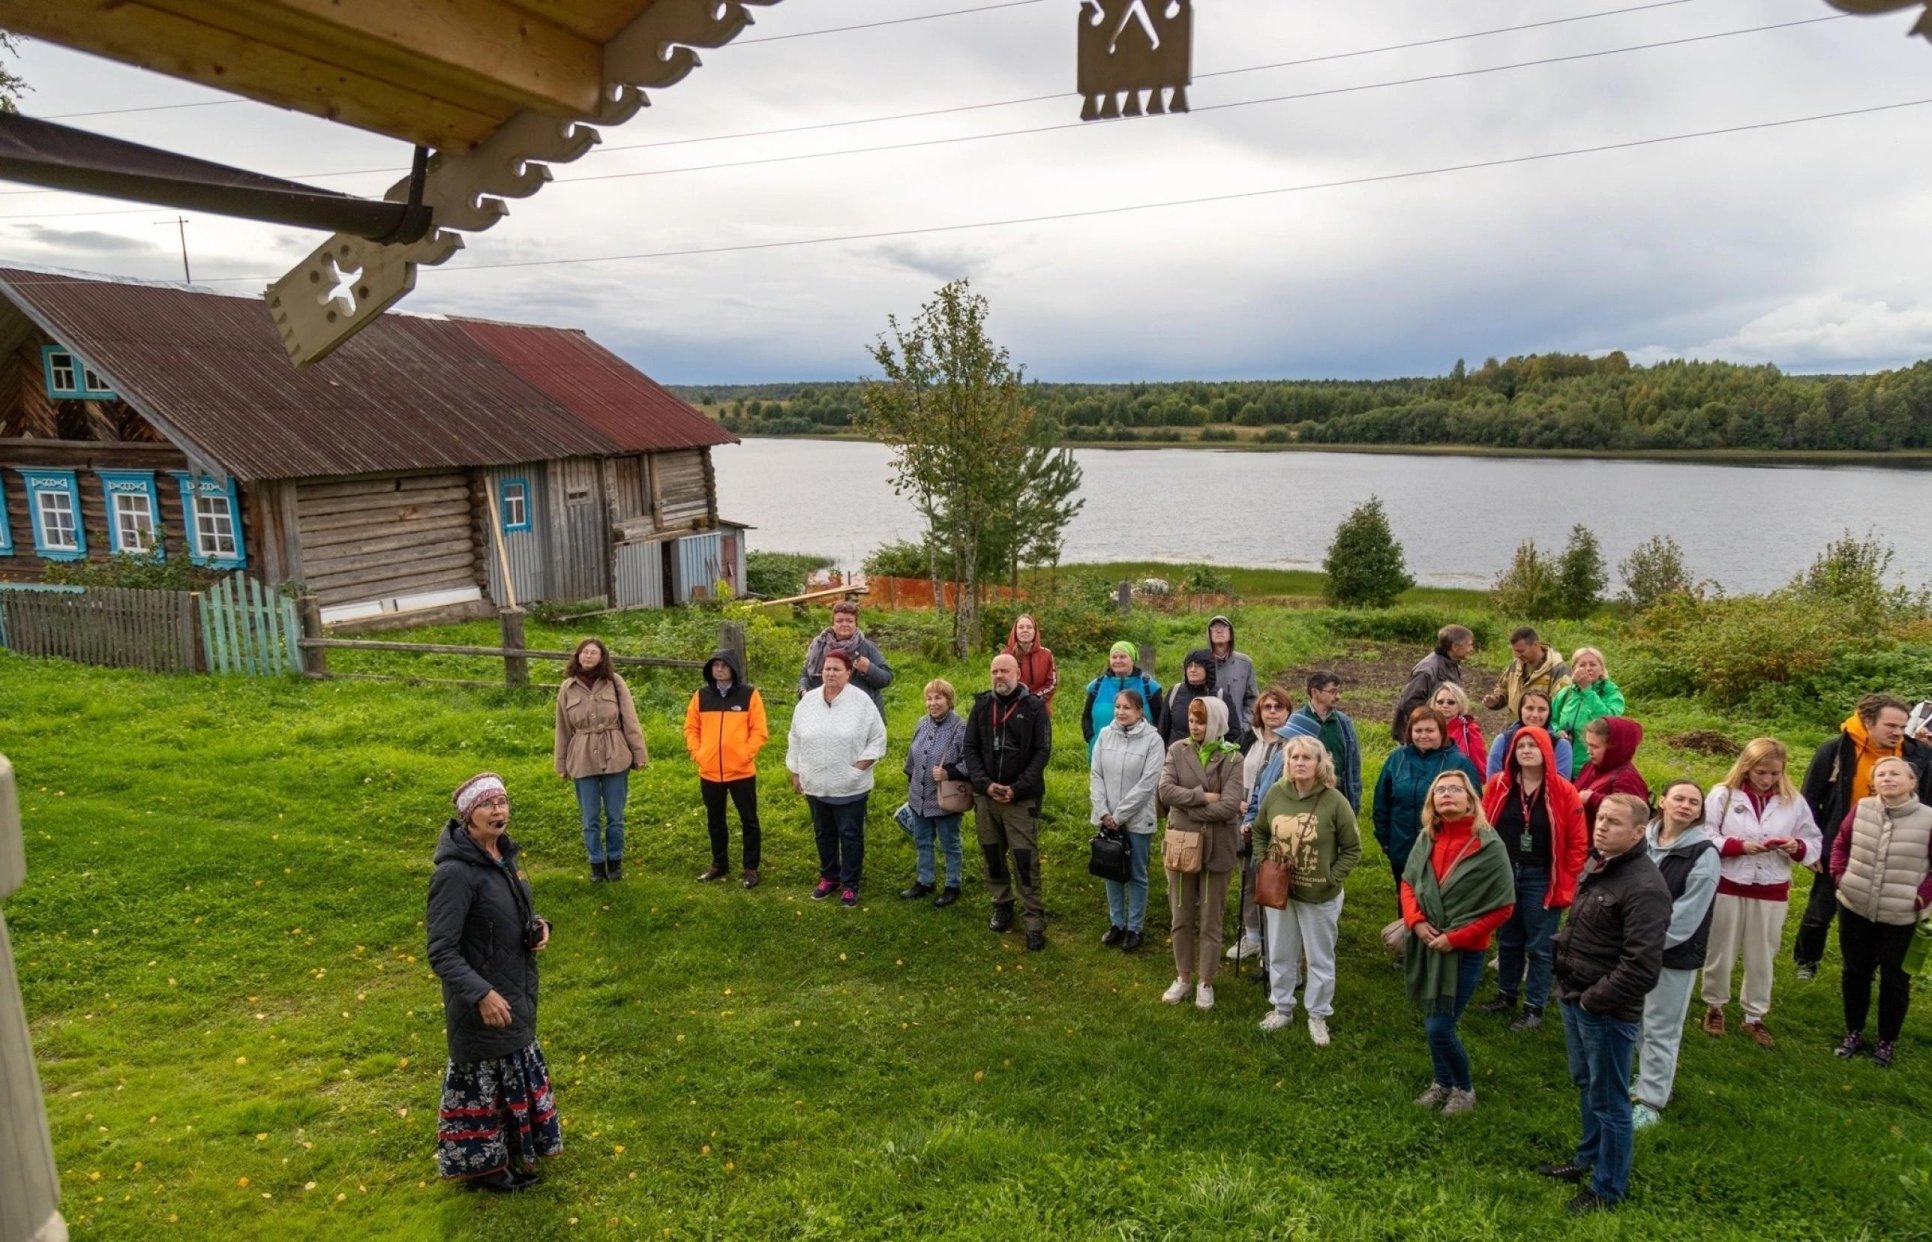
{"type": "Point", "coordinates": [1136, 57]}
{"type": "Point", "coordinates": [1872, 8]}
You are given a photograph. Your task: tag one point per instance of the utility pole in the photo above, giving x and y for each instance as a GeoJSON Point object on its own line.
{"type": "Point", "coordinates": [181, 224]}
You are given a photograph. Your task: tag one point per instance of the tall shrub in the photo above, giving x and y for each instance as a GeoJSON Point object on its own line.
{"type": "Point", "coordinates": [1653, 571]}
{"type": "Point", "coordinates": [1530, 587]}
{"type": "Point", "coordinates": [1580, 576]}
{"type": "Point", "coordinates": [1364, 564]}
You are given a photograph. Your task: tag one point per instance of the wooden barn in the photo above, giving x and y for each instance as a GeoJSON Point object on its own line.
{"type": "Point", "coordinates": [408, 473]}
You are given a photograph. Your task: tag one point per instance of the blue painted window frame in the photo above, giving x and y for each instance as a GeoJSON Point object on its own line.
{"type": "Point", "coordinates": [82, 372]}
{"type": "Point", "coordinates": [201, 485]}
{"type": "Point", "coordinates": [131, 483]}
{"type": "Point", "coordinates": [503, 503]}
{"type": "Point", "coordinates": [6, 530]}
{"type": "Point", "coordinates": [55, 482]}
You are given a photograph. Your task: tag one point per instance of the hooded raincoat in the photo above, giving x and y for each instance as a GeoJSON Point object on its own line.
{"type": "Point", "coordinates": [1569, 838]}
{"type": "Point", "coordinates": [1191, 771]}
{"type": "Point", "coordinates": [1101, 692]}
{"type": "Point", "coordinates": [1234, 675]}
{"type": "Point", "coordinates": [1616, 774]}
{"type": "Point", "coordinates": [725, 728]}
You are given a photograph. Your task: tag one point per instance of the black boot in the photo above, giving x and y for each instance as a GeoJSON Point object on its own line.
{"type": "Point", "coordinates": [614, 869]}
{"type": "Point", "coordinates": [919, 889]}
{"type": "Point", "coordinates": [1502, 1003]}
{"type": "Point", "coordinates": [947, 896]}
{"type": "Point", "coordinates": [597, 873]}
{"type": "Point", "coordinates": [1002, 916]}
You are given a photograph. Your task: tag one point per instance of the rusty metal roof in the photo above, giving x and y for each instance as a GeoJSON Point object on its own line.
{"type": "Point", "coordinates": [612, 395]}
{"type": "Point", "coordinates": [410, 392]}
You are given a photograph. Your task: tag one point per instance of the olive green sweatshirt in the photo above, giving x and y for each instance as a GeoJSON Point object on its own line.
{"type": "Point", "coordinates": [1318, 834]}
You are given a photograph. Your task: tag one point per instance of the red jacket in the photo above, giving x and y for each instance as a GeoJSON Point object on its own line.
{"type": "Point", "coordinates": [1615, 774]}
{"type": "Point", "coordinates": [1466, 735]}
{"type": "Point", "coordinates": [1569, 835]}
{"type": "Point", "coordinates": [1038, 672]}
{"type": "Point", "coordinates": [1451, 840]}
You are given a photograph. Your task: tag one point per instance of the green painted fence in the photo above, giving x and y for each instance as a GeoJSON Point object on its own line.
{"type": "Point", "coordinates": [246, 628]}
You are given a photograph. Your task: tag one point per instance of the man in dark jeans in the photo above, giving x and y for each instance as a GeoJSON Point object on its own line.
{"type": "Point", "coordinates": [1608, 956]}
{"type": "Point", "coordinates": [1839, 777]}
{"type": "Point", "coordinates": [1009, 738]}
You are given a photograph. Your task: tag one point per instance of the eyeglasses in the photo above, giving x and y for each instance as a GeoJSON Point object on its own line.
{"type": "Point", "coordinates": [494, 800]}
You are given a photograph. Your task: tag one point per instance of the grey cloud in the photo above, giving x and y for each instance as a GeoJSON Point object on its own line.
{"type": "Point", "coordinates": [84, 241]}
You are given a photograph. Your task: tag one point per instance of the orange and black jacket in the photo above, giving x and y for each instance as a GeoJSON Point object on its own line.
{"type": "Point", "coordinates": [725, 732]}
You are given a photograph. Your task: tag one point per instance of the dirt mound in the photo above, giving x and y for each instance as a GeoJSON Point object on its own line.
{"type": "Point", "coordinates": [1705, 742]}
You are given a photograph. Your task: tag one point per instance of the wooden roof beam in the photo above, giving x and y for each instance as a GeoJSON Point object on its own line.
{"type": "Point", "coordinates": [179, 47]}
{"type": "Point", "coordinates": [490, 55]}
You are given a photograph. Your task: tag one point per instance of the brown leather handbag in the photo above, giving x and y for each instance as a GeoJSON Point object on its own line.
{"type": "Point", "coordinates": [1274, 878]}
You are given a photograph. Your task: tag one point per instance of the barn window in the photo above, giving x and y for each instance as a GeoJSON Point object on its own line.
{"type": "Point", "coordinates": [513, 504]}
{"type": "Point", "coordinates": [214, 522]}
{"type": "Point", "coordinates": [53, 500]}
{"type": "Point", "coordinates": [133, 510]}
{"type": "Point", "coordinates": [68, 376]}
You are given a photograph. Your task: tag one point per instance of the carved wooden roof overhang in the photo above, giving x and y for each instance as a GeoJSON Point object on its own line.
{"type": "Point", "coordinates": [499, 90]}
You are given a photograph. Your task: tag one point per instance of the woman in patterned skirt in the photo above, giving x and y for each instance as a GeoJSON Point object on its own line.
{"type": "Point", "coordinates": [498, 1114]}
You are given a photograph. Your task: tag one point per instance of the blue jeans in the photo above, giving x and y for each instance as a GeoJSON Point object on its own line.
{"type": "Point", "coordinates": [1445, 1046]}
{"type": "Point", "coordinates": [944, 829]}
{"type": "Point", "coordinates": [1530, 933]}
{"type": "Point", "coordinates": [840, 830]}
{"type": "Point", "coordinates": [608, 792]}
{"type": "Point", "coordinates": [1600, 1048]}
{"type": "Point", "coordinates": [1127, 903]}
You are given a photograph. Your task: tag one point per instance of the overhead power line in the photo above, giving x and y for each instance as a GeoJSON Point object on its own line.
{"type": "Point", "coordinates": [930, 112]}
{"type": "Point", "coordinates": [1218, 107]}
{"type": "Point", "coordinates": [1234, 196]}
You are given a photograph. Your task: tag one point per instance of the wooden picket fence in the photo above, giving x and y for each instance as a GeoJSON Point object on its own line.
{"type": "Point", "coordinates": [115, 626]}
{"type": "Point", "coordinates": [246, 628]}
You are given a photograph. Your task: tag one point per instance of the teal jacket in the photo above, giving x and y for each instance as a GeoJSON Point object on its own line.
{"type": "Point", "coordinates": [1401, 789]}
{"type": "Point", "coordinates": [1576, 706]}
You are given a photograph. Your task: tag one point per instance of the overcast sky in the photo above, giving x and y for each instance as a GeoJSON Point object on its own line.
{"type": "Point", "coordinates": [1800, 245]}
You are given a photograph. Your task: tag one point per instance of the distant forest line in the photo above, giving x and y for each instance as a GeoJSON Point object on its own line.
{"type": "Point", "coordinates": [1542, 401]}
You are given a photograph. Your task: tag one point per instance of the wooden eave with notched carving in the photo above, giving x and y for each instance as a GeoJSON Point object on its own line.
{"type": "Point", "coordinates": [499, 89]}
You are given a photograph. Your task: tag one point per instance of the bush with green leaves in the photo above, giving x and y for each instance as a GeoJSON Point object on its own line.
{"type": "Point", "coordinates": [1530, 587]}
{"type": "Point", "coordinates": [777, 575]}
{"type": "Point", "coordinates": [1410, 623]}
{"type": "Point", "coordinates": [134, 570]}
{"type": "Point", "coordinates": [1764, 649]}
{"type": "Point", "coordinates": [1580, 575]}
{"type": "Point", "coordinates": [1364, 564]}
{"type": "Point", "coordinates": [1852, 571]}
{"type": "Point", "coordinates": [1653, 571]}
{"type": "Point", "coordinates": [902, 558]}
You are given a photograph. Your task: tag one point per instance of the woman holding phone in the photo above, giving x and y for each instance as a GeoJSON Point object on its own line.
{"type": "Point", "coordinates": [1762, 828]}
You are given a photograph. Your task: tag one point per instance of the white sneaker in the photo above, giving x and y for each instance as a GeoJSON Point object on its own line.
{"type": "Point", "coordinates": [1458, 1103]}
{"type": "Point", "coordinates": [1204, 996]}
{"type": "Point", "coordinates": [1433, 1097]}
{"type": "Point", "coordinates": [1275, 1020]}
{"type": "Point", "coordinates": [1177, 991]}
{"type": "Point", "coordinates": [1318, 1031]}
{"type": "Point", "coordinates": [1244, 948]}
{"type": "Point", "coordinates": [1643, 1116]}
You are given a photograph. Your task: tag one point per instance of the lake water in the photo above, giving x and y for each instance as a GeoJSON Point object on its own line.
{"type": "Point", "coordinates": [1459, 519]}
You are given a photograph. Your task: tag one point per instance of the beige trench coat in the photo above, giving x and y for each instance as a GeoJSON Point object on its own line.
{"type": "Point", "coordinates": [597, 729]}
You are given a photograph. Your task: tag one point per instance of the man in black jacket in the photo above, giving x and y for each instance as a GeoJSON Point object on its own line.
{"type": "Point", "coordinates": [1607, 960]}
{"type": "Point", "coordinates": [1454, 644]}
{"type": "Point", "coordinates": [1839, 776]}
{"type": "Point", "coordinates": [1009, 738]}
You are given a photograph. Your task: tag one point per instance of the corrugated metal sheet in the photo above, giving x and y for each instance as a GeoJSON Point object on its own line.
{"type": "Point", "coordinates": [699, 564]}
{"type": "Point", "coordinates": [408, 392]}
{"type": "Point", "coordinates": [598, 386]}
{"type": "Point", "coordinates": [732, 539]}
{"type": "Point", "coordinates": [640, 575]}
{"type": "Point", "coordinates": [528, 551]}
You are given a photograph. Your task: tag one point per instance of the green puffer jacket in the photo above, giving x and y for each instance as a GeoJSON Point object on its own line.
{"type": "Point", "coordinates": [1576, 706]}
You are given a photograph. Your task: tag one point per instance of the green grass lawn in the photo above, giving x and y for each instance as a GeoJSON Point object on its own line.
{"type": "Point", "coordinates": [221, 943]}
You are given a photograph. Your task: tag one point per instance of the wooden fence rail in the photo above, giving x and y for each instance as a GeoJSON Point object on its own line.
{"type": "Point", "coordinates": [516, 657]}
{"type": "Point", "coordinates": [113, 626]}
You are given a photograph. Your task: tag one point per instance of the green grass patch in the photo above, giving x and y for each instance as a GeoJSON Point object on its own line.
{"type": "Point", "coordinates": [221, 947]}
